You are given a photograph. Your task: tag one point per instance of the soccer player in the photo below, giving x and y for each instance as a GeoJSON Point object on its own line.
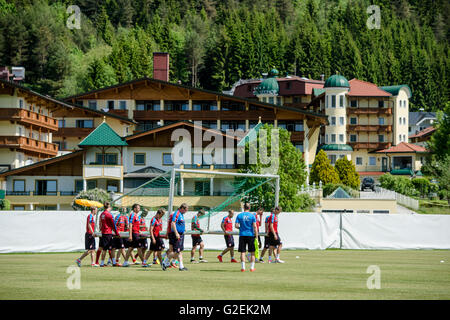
{"type": "Point", "coordinates": [133, 238]}
{"type": "Point", "coordinates": [246, 223]}
{"type": "Point", "coordinates": [266, 237]}
{"type": "Point", "coordinates": [274, 237]}
{"type": "Point", "coordinates": [89, 238]}
{"type": "Point", "coordinates": [107, 226]}
{"type": "Point", "coordinates": [121, 222]}
{"type": "Point", "coordinates": [156, 242]}
{"type": "Point", "coordinates": [227, 227]}
{"type": "Point", "coordinates": [258, 215]}
{"type": "Point", "coordinates": [196, 238]}
{"type": "Point", "coordinates": [176, 236]}
{"type": "Point", "coordinates": [143, 228]}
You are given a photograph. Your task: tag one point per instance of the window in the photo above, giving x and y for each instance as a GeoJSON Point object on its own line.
{"type": "Point", "coordinates": [139, 159]}
{"type": "Point", "coordinates": [210, 124]}
{"type": "Point", "coordinates": [271, 100]}
{"type": "Point", "coordinates": [341, 101]}
{"type": "Point", "coordinates": [333, 101]}
{"type": "Point", "coordinates": [341, 138]}
{"type": "Point", "coordinates": [353, 138]}
{"type": "Point", "coordinates": [341, 156]}
{"type": "Point", "coordinates": [359, 161]}
{"type": "Point", "coordinates": [112, 185]}
{"type": "Point", "coordinates": [233, 125]}
{"type": "Point", "coordinates": [299, 146]}
{"type": "Point", "coordinates": [380, 103]}
{"type": "Point", "coordinates": [62, 145]}
{"type": "Point", "coordinates": [279, 101]}
{"type": "Point", "coordinates": [62, 123]}
{"type": "Point", "coordinates": [148, 105]}
{"type": "Point", "coordinates": [92, 104]}
{"type": "Point", "coordinates": [400, 137]}
{"type": "Point", "coordinates": [85, 123]}
{"type": "Point", "coordinates": [46, 187]}
{"type": "Point", "coordinates": [91, 184]}
{"type": "Point", "coordinates": [291, 125]}
{"type": "Point", "coordinates": [202, 188]}
{"type": "Point", "coordinates": [21, 103]}
{"type": "Point", "coordinates": [18, 208]}
{"type": "Point", "coordinates": [332, 158]}
{"type": "Point", "coordinates": [19, 185]}
{"type": "Point", "coordinates": [204, 105]}
{"type": "Point", "coordinates": [353, 120]}
{"type": "Point", "coordinates": [333, 138]}
{"type": "Point", "coordinates": [372, 161]}
{"type": "Point", "coordinates": [106, 158]}
{"type": "Point", "coordinates": [381, 121]}
{"type": "Point", "coordinates": [110, 104]}
{"type": "Point", "coordinates": [147, 125]}
{"type": "Point", "coordinates": [341, 121]}
{"type": "Point", "coordinates": [333, 121]}
{"type": "Point", "coordinates": [354, 103]}
{"type": "Point", "coordinates": [288, 85]}
{"type": "Point", "coordinates": [227, 105]}
{"type": "Point", "coordinates": [380, 138]}
{"type": "Point", "coordinates": [167, 159]}
{"type": "Point", "coordinates": [123, 105]}
{"type": "Point", "coordinates": [326, 138]}
{"type": "Point", "coordinates": [404, 138]}
{"type": "Point", "coordinates": [327, 101]}
{"type": "Point", "coordinates": [78, 185]}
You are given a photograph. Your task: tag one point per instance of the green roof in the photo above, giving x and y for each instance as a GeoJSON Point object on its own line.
{"type": "Point", "coordinates": [395, 89]}
{"type": "Point", "coordinates": [336, 80]}
{"type": "Point", "coordinates": [336, 147]}
{"type": "Point", "coordinates": [339, 193]}
{"type": "Point", "coordinates": [318, 91]}
{"type": "Point", "coordinates": [402, 172]}
{"type": "Point", "coordinates": [268, 86]}
{"type": "Point", "coordinates": [103, 135]}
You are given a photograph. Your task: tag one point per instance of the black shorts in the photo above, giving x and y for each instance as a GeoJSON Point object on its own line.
{"type": "Point", "coordinates": [196, 240]}
{"type": "Point", "coordinates": [246, 241]}
{"type": "Point", "coordinates": [272, 241]}
{"type": "Point", "coordinates": [135, 243]}
{"type": "Point", "coordinates": [229, 240]}
{"type": "Point", "coordinates": [126, 243]}
{"type": "Point", "coordinates": [266, 242]}
{"type": "Point", "coordinates": [144, 243]}
{"type": "Point", "coordinates": [118, 243]}
{"type": "Point", "coordinates": [158, 246]}
{"type": "Point", "coordinates": [89, 241]}
{"type": "Point", "coordinates": [106, 242]}
{"type": "Point", "coordinates": [178, 244]}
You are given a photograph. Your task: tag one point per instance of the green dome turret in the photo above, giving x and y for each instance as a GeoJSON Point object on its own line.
{"type": "Point", "coordinates": [269, 85]}
{"type": "Point", "coordinates": [336, 80]}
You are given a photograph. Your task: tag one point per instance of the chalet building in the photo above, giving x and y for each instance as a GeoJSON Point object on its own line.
{"type": "Point", "coordinates": [29, 125]}
{"type": "Point", "coordinates": [420, 120]}
{"type": "Point", "coordinates": [120, 164]}
{"type": "Point", "coordinates": [422, 137]}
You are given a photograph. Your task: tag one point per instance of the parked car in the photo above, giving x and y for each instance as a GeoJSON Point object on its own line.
{"type": "Point", "coordinates": [368, 183]}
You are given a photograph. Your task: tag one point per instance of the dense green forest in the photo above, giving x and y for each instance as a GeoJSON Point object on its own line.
{"type": "Point", "coordinates": [214, 43]}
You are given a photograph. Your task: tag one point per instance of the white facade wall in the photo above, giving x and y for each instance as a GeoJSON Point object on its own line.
{"type": "Point", "coordinates": [64, 183]}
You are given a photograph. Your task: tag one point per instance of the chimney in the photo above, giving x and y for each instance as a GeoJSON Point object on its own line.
{"type": "Point", "coordinates": [322, 77]}
{"type": "Point", "coordinates": [4, 73]}
{"type": "Point", "coordinates": [161, 66]}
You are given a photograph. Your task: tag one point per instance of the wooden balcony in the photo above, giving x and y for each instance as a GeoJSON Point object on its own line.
{"type": "Point", "coordinates": [369, 128]}
{"type": "Point", "coordinates": [28, 117]}
{"type": "Point", "coordinates": [368, 111]}
{"type": "Point", "coordinates": [204, 115]}
{"type": "Point", "coordinates": [29, 145]}
{"type": "Point", "coordinates": [91, 171]}
{"type": "Point", "coordinates": [73, 132]}
{"type": "Point", "coordinates": [119, 112]}
{"type": "Point", "coordinates": [369, 145]}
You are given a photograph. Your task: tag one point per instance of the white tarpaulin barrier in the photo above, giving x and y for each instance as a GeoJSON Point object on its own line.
{"type": "Point", "coordinates": [51, 231]}
{"type": "Point", "coordinates": [391, 231]}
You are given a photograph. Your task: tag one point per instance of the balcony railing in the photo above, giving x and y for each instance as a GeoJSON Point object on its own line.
{"type": "Point", "coordinates": [28, 117]}
{"type": "Point", "coordinates": [102, 171]}
{"type": "Point", "coordinates": [204, 115]}
{"type": "Point", "coordinates": [73, 132]}
{"type": "Point", "coordinates": [370, 145]}
{"type": "Point", "coordinates": [41, 193]}
{"type": "Point", "coordinates": [29, 144]}
{"type": "Point", "coordinates": [376, 111]}
{"type": "Point", "coordinates": [369, 128]}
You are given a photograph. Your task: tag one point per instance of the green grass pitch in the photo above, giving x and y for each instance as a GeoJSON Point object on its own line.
{"type": "Point", "coordinates": [328, 274]}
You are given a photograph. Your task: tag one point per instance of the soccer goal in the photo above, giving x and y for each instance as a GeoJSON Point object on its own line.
{"type": "Point", "coordinates": [215, 192]}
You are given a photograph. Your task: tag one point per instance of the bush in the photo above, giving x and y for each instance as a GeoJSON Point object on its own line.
{"type": "Point", "coordinates": [306, 202]}
{"type": "Point", "coordinates": [347, 173]}
{"type": "Point", "coordinates": [422, 185]}
{"type": "Point", "coordinates": [398, 184]}
{"type": "Point", "coordinates": [96, 194]}
{"type": "Point", "coordinates": [5, 204]}
{"type": "Point", "coordinates": [322, 170]}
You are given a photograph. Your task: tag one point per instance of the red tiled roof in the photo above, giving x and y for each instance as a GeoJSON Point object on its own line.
{"type": "Point", "coordinates": [359, 88]}
{"type": "Point", "coordinates": [424, 132]}
{"type": "Point", "coordinates": [404, 147]}
{"type": "Point", "coordinates": [371, 173]}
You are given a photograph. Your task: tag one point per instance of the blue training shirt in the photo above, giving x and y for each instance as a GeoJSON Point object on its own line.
{"type": "Point", "coordinates": [178, 218]}
{"type": "Point", "coordinates": [246, 220]}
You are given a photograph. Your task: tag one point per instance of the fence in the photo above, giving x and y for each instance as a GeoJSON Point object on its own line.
{"type": "Point", "coordinates": [45, 231]}
{"type": "Point", "coordinates": [401, 199]}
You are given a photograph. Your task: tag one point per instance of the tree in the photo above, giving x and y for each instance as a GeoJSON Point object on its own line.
{"type": "Point", "coordinates": [291, 169]}
{"type": "Point", "coordinates": [439, 142]}
{"type": "Point", "coordinates": [347, 173]}
{"type": "Point", "coordinates": [98, 75]}
{"type": "Point", "coordinates": [322, 170]}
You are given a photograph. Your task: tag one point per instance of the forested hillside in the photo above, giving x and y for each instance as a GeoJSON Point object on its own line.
{"type": "Point", "coordinates": [212, 43]}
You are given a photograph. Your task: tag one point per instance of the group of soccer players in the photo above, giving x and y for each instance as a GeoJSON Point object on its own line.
{"type": "Point", "coordinates": [246, 222]}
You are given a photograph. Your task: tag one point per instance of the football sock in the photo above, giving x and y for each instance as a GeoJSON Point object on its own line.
{"type": "Point", "coordinates": [243, 265]}
{"type": "Point", "coordinates": [252, 265]}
